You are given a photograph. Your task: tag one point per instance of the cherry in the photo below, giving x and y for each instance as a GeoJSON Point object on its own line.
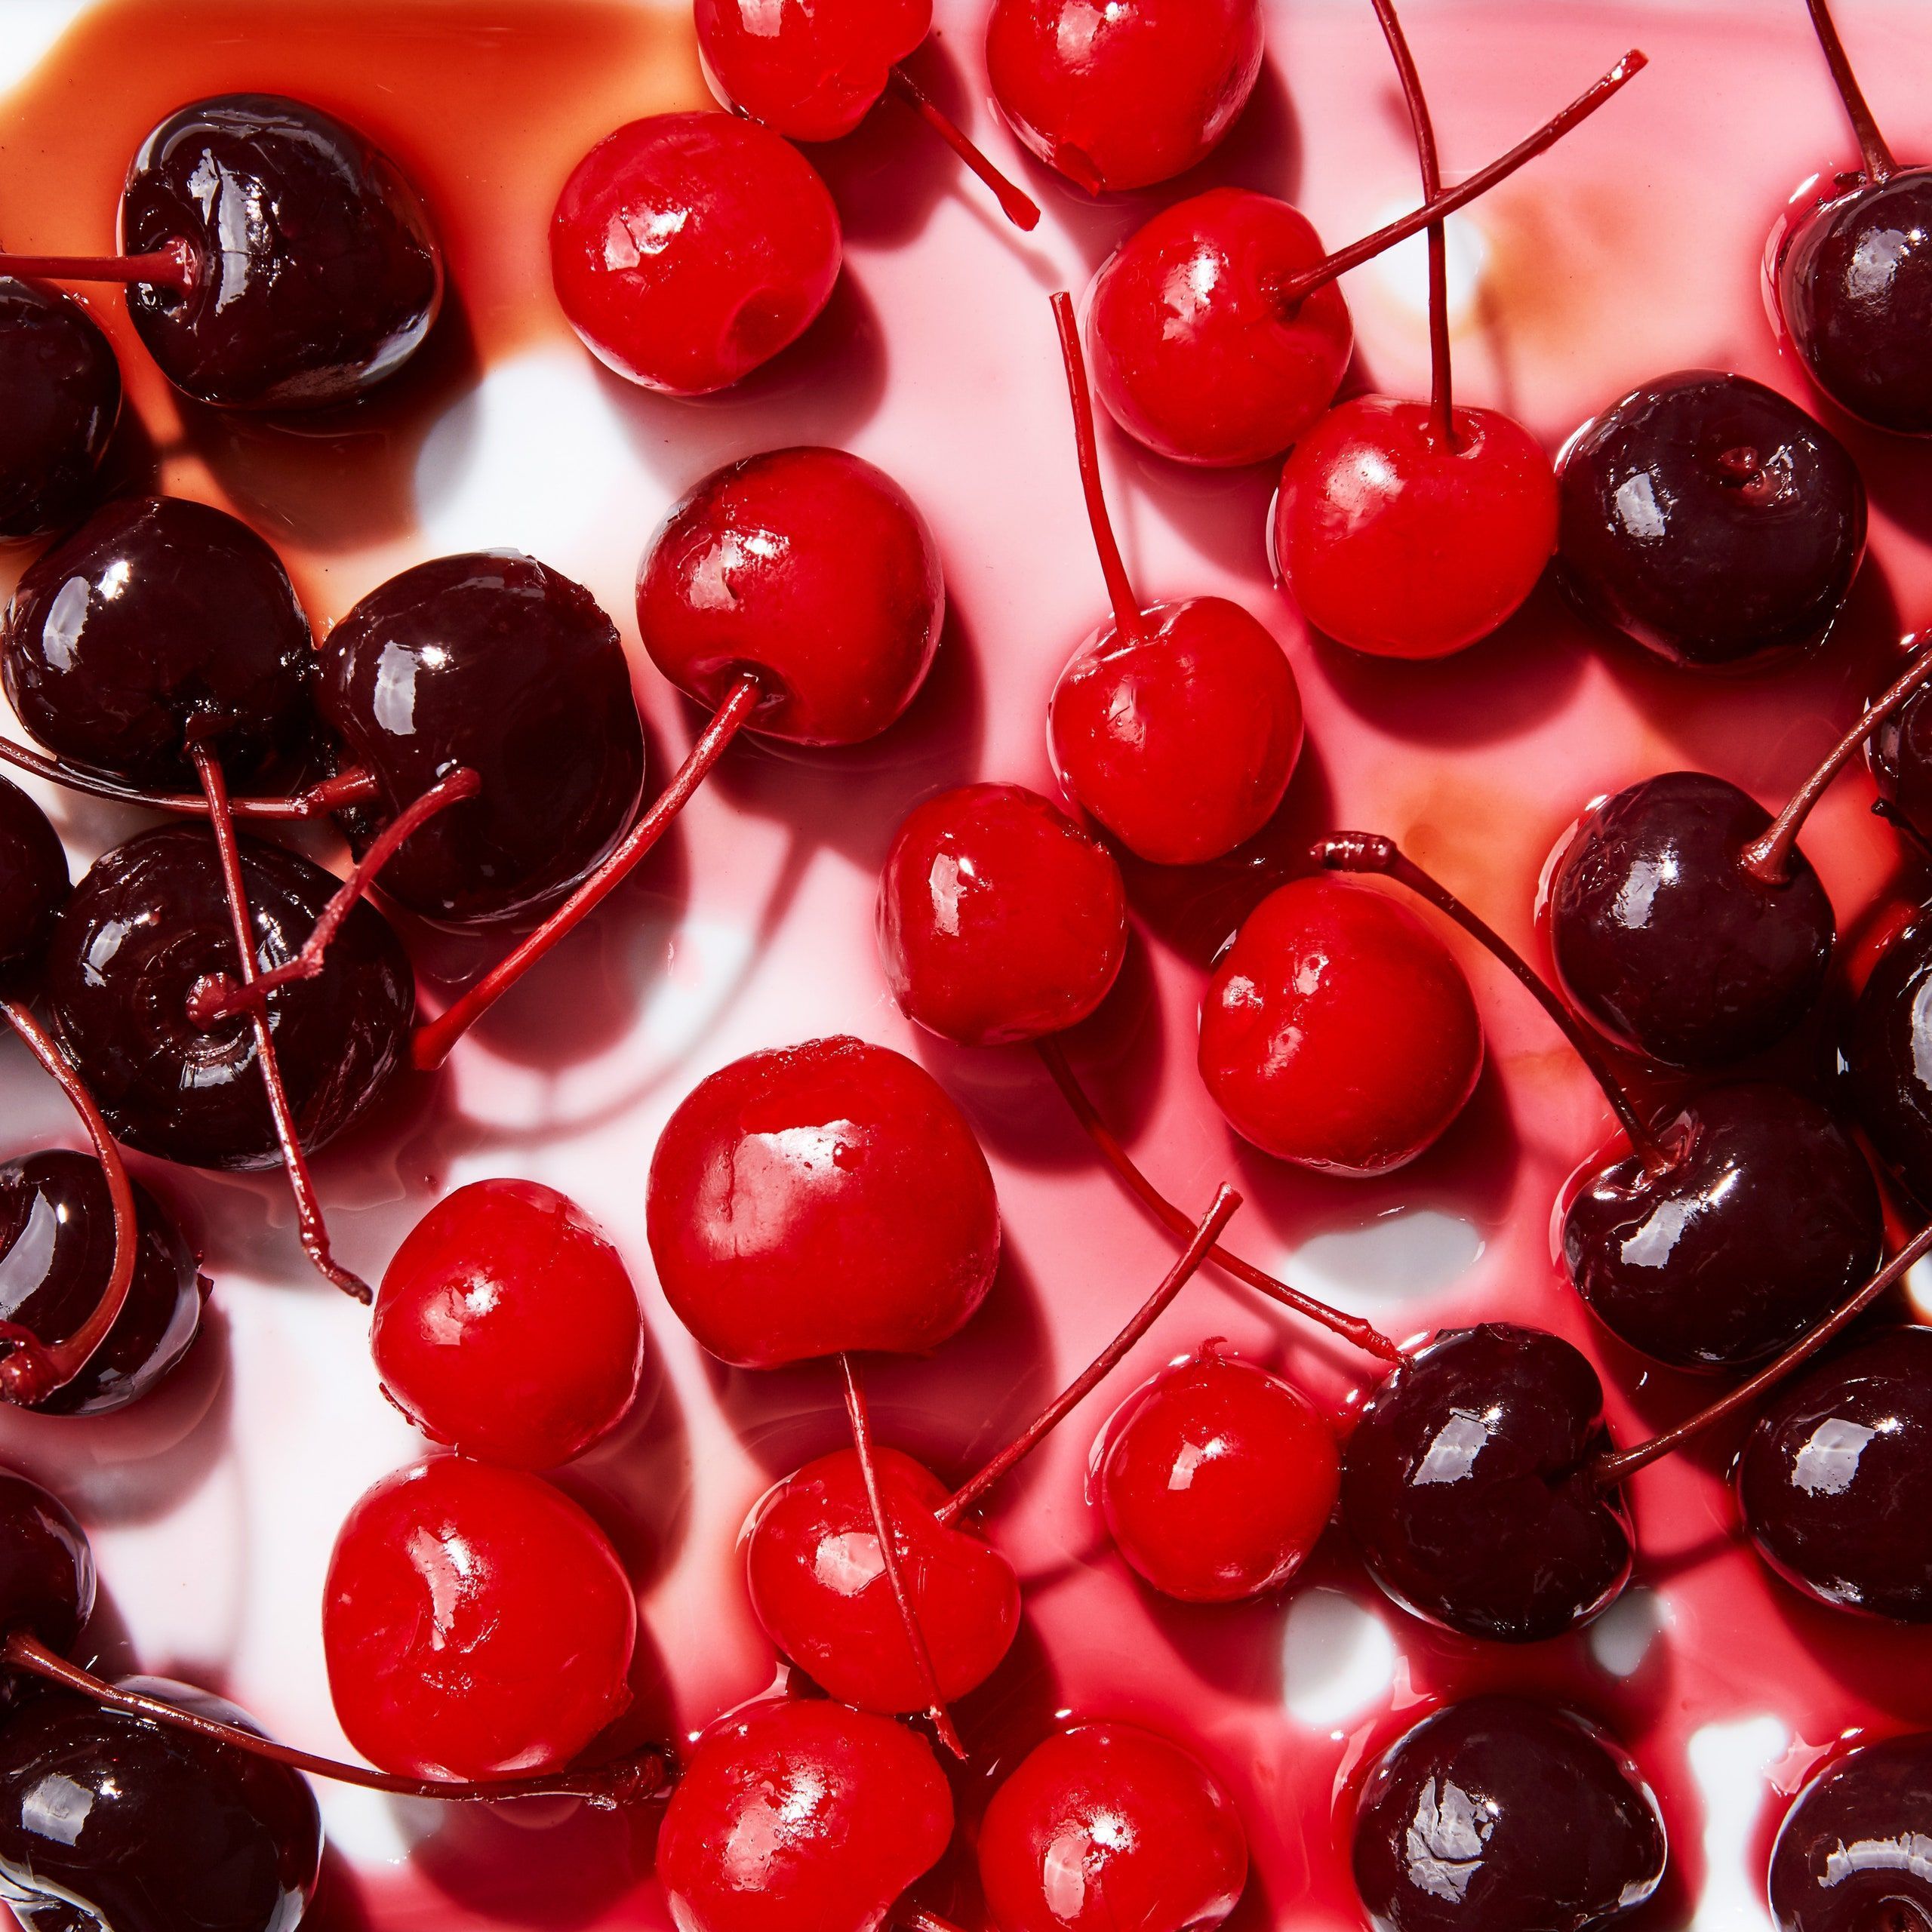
{"type": "Point", "coordinates": [1106, 1825]}
{"type": "Point", "coordinates": [1711, 520]}
{"type": "Point", "coordinates": [60, 387]}
{"type": "Point", "coordinates": [506, 1327]}
{"type": "Point", "coordinates": [798, 1816]}
{"type": "Point", "coordinates": [1886, 1059]}
{"type": "Point", "coordinates": [1498, 1814]}
{"type": "Point", "coordinates": [1337, 1032]}
{"type": "Point", "coordinates": [1847, 1856]}
{"type": "Point", "coordinates": [689, 249]}
{"type": "Point", "coordinates": [46, 1572]}
{"type": "Point", "coordinates": [34, 881]}
{"type": "Point", "coordinates": [999, 919]}
{"type": "Point", "coordinates": [1900, 755]}
{"type": "Point", "coordinates": [1215, 1478]}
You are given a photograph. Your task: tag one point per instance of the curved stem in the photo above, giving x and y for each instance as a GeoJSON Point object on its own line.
{"type": "Point", "coordinates": [629, 1780]}
{"type": "Point", "coordinates": [36, 1369]}
{"type": "Point", "coordinates": [308, 1208]}
{"type": "Point", "coordinates": [1350, 1327]}
{"type": "Point", "coordinates": [1879, 164]}
{"type": "Point", "coordinates": [1020, 209]}
{"type": "Point", "coordinates": [1083, 1385]}
{"type": "Point", "coordinates": [432, 1043]}
{"type": "Point", "coordinates": [354, 787]}
{"type": "Point", "coordinates": [170, 267]}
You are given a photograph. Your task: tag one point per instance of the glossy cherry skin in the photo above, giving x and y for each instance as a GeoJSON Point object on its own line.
{"type": "Point", "coordinates": [821, 1197]}
{"type": "Point", "coordinates": [813, 71]}
{"type": "Point", "coordinates": [818, 1589]}
{"type": "Point", "coordinates": [316, 271]}
{"type": "Point", "coordinates": [146, 925]}
{"type": "Point", "coordinates": [1831, 1480]}
{"type": "Point", "coordinates": [1215, 1478]}
{"type": "Point", "coordinates": [60, 390]}
{"type": "Point", "coordinates": [1466, 1486]}
{"type": "Point", "coordinates": [1900, 753]}
{"type": "Point", "coordinates": [1499, 1814]}
{"type": "Point", "coordinates": [999, 919]}
{"type": "Point", "coordinates": [1887, 1057]}
{"type": "Point", "coordinates": [477, 1624]}
{"type": "Point", "coordinates": [57, 1252]}
{"type": "Point", "coordinates": [687, 249]}
{"type": "Point", "coordinates": [1764, 1219]}
{"type": "Point", "coordinates": [1337, 1031]}
{"type": "Point", "coordinates": [1193, 351]}
{"type": "Point", "coordinates": [1398, 542]}
{"type": "Point", "coordinates": [506, 1327]}
{"type": "Point", "coordinates": [1848, 1852]}
{"type": "Point", "coordinates": [47, 1572]}
{"type": "Point", "coordinates": [1106, 1826]}
{"type": "Point", "coordinates": [801, 1816]}
{"type": "Point", "coordinates": [1663, 941]}
{"type": "Point", "coordinates": [34, 881]}
{"type": "Point", "coordinates": [1181, 742]}
{"type": "Point", "coordinates": [110, 1820]}
{"type": "Point", "coordinates": [494, 662]}
{"type": "Point", "coordinates": [813, 569]}
{"type": "Point", "coordinates": [1124, 95]}
{"type": "Point", "coordinates": [159, 622]}
{"type": "Point", "coordinates": [1711, 520]}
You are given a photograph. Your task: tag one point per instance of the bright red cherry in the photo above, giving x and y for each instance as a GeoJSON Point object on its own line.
{"type": "Point", "coordinates": [689, 249]}
{"type": "Point", "coordinates": [999, 919]}
{"type": "Point", "coordinates": [800, 1816]}
{"type": "Point", "coordinates": [1337, 1031]}
{"type": "Point", "coordinates": [1105, 1826]}
{"type": "Point", "coordinates": [506, 1327]}
{"type": "Point", "coordinates": [817, 1199]}
{"type": "Point", "coordinates": [477, 1624]}
{"type": "Point", "coordinates": [1215, 1478]}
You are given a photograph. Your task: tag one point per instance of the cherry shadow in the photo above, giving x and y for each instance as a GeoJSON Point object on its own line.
{"type": "Point", "coordinates": [339, 1905]}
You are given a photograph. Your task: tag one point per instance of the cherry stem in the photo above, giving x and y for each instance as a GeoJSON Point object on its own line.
{"type": "Point", "coordinates": [219, 997]}
{"type": "Point", "coordinates": [627, 1781]}
{"type": "Point", "coordinates": [1350, 1327]}
{"type": "Point", "coordinates": [1370, 852]}
{"type": "Point", "coordinates": [1020, 209]}
{"type": "Point", "coordinates": [1768, 857]}
{"type": "Point", "coordinates": [1609, 1471]}
{"type": "Point", "coordinates": [887, 1533]}
{"type": "Point", "coordinates": [1201, 1245]}
{"type": "Point", "coordinates": [1297, 287]}
{"type": "Point", "coordinates": [35, 1369]}
{"type": "Point", "coordinates": [1879, 164]}
{"type": "Point", "coordinates": [913, 1920]}
{"type": "Point", "coordinates": [328, 794]}
{"type": "Point", "coordinates": [1129, 616]}
{"type": "Point", "coordinates": [170, 267]}
{"type": "Point", "coordinates": [431, 1044]}
{"type": "Point", "coordinates": [314, 1232]}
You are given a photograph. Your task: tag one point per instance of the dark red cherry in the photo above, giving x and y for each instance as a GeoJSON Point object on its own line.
{"type": "Point", "coordinates": [477, 1624]}
{"type": "Point", "coordinates": [1337, 1031]}
{"type": "Point", "coordinates": [821, 1197]}
{"type": "Point", "coordinates": [1847, 1857]}
{"type": "Point", "coordinates": [1711, 520]}
{"type": "Point", "coordinates": [801, 1816]}
{"type": "Point", "coordinates": [1215, 1478]}
{"type": "Point", "coordinates": [1900, 755]}
{"type": "Point", "coordinates": [34, 881]}
{"type": "Point", "coordinates": [1832, 1478]}
{"type": "Point", "coordinates": [1106, 1826]}
{"type": "Point", "coordinates": [493, 662]}
{"type": "Point", "coordinates": [159, 624]}
{"type": "Point", "coordinates": [47, 1572]}
{"type": "Point", "coordinates": [1498, 1814]}
{"type": "Point", "coordinates": [149, 922]}
{"type": "Point", "coordinates": [999, 919]}
{"type": "Point", "coordinates": [809, 568]}
{"type": "Point", "coordinates": [1887, 1057]}
{"type": "Point", "coordinates": [1468, 1488]}
{"type": "Point", "coordinates": [687, 249]}
{"type": "Point", "coordinates": [60, 390]}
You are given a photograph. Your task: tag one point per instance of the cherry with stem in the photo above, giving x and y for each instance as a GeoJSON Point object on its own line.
{"type": "Point", "coordinates": [339, 793]}
{"type": "Point", "coordinates": [1880, 164]}
{"type": "Point", "coordinates": [1018, 208]}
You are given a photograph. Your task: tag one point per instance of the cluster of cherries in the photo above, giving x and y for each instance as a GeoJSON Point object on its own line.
{"type": "Point", "coordinates": [217, 1000]}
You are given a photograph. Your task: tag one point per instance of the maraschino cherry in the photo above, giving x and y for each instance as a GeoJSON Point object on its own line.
{"type": "Point", "coordinates": [1845, 1859]}
{"type": "Point", "coordinates": [1886, 1054]}
{"type": "Point", "coordinates": [60, 388]}
{"type": "Point", "coordinates": [34, 882]}
{"type": "Point", "coordinates": [1900, 755]}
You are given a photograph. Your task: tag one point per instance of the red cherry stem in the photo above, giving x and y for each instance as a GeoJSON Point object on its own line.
{"type": "Point", "coordinates": [35, 1369]}
{"type": "Point", "coordinates": [1298, 287]}
{"type": "Point", "coordinates": [1609, 1471]}
{"type": "Point", "coordinates": [887, 1531]}
{"type": "Point", "coordinates": [308, 1208]}
{"type": "Point", "coordinates": [1768, 857]}
{"type": "Point", "coordinates": [170, 267]}
{"type": "Point", "coordinates": [431, 1044]}
{"type": "Point", "coordinates": [354, 787]}
{"type": "Point", "coordinates": [1350, 1327]}
{"type": "Point", "coordinates": [1219, 1213]}
{"type": "Point", "coordinates": [1020, 209]}
{"type": "Point", "coordinates": [1879, 164]}
{"type": "Point", "coordinates": [629, 1780]}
